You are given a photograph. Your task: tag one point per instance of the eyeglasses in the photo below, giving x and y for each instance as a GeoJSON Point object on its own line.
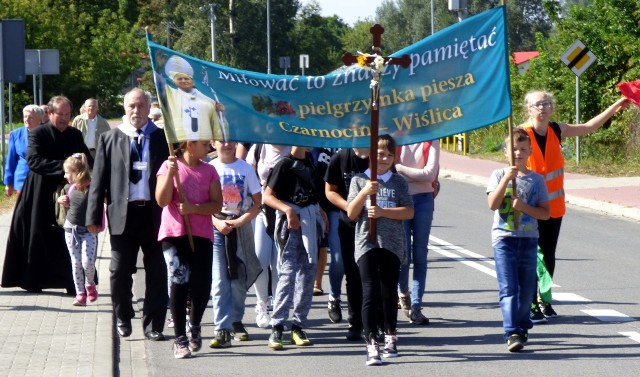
{"type": "Point", "coordinates": [542, 104]}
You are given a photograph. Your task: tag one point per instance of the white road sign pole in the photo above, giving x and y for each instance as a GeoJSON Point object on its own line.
{"type": "Point", "coordinates": [578, 58]}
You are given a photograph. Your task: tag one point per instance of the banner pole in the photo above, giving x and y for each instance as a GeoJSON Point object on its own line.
{"type": "Point", "coordinates": [512, 159]}
{"type": "Point", "coordinates": [187, 223]}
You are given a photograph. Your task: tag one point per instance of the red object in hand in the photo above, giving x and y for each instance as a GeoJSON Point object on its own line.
{"type": "Point", "coordinates": [631, 90]}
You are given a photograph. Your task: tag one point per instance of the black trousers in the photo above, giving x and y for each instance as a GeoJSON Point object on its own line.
{"type": "Point", "coordinates": [139, 234]}
{"type": "Point", "coordinates": [352, 273]}
{"type": "Point", "coordinates": [380, 270]}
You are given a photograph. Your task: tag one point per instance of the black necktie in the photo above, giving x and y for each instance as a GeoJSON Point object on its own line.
{"type": "Point", "coordinates": [136, 155]}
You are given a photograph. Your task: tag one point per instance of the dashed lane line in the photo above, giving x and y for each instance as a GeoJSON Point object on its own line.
{"type": "Point", "coordinates": [449, 250]}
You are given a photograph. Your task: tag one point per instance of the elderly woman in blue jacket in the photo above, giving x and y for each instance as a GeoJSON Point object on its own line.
{"type": "Point", "coordinates": [16, 168]}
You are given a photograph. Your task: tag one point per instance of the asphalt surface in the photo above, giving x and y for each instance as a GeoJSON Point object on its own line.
{"type": "Point", "coordinates": [44, 335]}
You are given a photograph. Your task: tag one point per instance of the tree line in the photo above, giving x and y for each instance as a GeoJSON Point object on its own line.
{"type": "Point", "coordinates": [103, 49]}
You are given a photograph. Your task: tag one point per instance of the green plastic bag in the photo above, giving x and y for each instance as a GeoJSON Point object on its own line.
{"type": "Point", "coordinates": [544, 279]}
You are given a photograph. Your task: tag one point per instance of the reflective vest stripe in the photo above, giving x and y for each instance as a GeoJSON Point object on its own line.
{"type": "Point", "coordinates": [554, 174]}
{"type": "Point", "coordinates": [556, 194]}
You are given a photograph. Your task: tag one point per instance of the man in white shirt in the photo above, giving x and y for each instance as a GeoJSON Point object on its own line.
{"type": "Point", "coordinates": [91, 124]}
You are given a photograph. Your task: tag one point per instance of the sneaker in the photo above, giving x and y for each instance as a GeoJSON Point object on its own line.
{"type": "Point", "coordinates": [299, 337]}
{"type": "Point", "coordinates": [515, 343]}
{"type": "Point", "coordinates": [181, 348]}
{"type": "Point", "coordinates": [335, 311]}
{"type": "Point", "coordinates": [80, 300]}
{"type": "Point", "coordinates": [221, 340]}
{"type": "Point", "coordinates": [354, 333]}
{"type": "Point", "coordinates": [547, 310]}
{"type": "Point", "coordinates": [170, 322]}
{"type": "Point", "coordinates": [239, 332]}
{"type": "Point", "coordinates": [536, 315]}
{"type": "Point", "coordinates": [275, 340]}
{"type": "Point", "coordinates": [417, 318]}
{"type": "Point", "coordinates": [195, 338]}
{"type": "Point", "coordinates": [404, 303]}
{"type": "Point", "coordinates": [262, 315]}
{"type": "Point", "coordinates": [390, 346]}
{"type": "Point", "coordinates": [373, 354]}
{"type": "Point", "coordinates": [92, 292]}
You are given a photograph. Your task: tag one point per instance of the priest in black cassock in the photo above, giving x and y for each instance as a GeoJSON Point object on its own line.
{"type": "Point", "coordinates": [36, 257]}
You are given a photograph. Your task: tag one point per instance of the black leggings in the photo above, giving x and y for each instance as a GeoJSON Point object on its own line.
{"type": "Point", "coordinates": [379, 271]}
{"type": "Point", "coordinates": [197, 264]}
{"type": "Point", "coordinates": [347, 235]}
{"type": "Point", "coordinates": [549, 232]}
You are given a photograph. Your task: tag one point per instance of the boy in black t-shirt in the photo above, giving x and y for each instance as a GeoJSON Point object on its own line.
{"type": "Point", "coordinates": [290, 192]}
{"type": "Point", "coordinates": [343, 166]}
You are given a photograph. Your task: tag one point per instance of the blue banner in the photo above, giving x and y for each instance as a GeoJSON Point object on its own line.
{"type": "Point", "coordinates": [458, 81]}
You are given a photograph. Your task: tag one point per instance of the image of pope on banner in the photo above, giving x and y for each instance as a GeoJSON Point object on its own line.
{"type": "Point", "coordinates": [189, 114]}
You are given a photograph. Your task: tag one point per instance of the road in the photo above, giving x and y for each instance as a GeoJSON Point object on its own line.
{"type": "Point", "coordinates": [596, 334]}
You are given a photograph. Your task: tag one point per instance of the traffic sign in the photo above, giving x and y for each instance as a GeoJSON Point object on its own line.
{"type": "Point", "coordinates": [304, 61]}
{"type": "Point", "coordinates": [578, 57]}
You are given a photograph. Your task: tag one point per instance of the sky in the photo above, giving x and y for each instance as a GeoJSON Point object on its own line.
{"type": "Point", "coordinates": [349, 10]}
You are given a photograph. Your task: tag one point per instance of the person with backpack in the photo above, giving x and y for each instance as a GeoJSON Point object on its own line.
{"type": "Point", "coordinates": [263, 157]}
{"type": "Point", "coordinates": [300, 223]}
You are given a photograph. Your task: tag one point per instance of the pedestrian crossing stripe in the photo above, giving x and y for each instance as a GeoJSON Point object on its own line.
{"type": "Point", "coordinates": [578, 57]}
{"type": "Point", "coordinates": [633, 335]}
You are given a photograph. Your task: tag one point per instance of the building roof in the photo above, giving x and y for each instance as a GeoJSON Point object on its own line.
{"type": "Point", "coordinates": [524, 56]}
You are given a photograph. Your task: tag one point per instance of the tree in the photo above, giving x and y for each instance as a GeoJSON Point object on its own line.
{"type": "Point", "coordinates": [609, 29]}
{"type": "Point", "coordinates": [320, 38]}
{"type": "Point", "coordinates": [99, 49]}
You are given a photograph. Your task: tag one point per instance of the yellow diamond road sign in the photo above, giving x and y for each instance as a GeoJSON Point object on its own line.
{"type": "Point", "coordinates": [578, 57]}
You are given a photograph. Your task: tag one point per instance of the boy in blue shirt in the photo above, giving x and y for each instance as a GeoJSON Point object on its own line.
{"type": "Point", "coordinates": [515, 242]}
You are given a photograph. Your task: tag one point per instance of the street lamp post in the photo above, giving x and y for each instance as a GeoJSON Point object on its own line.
{"type": "Point", "coordinates": [268, 36]}
{"type": "Point", "coordinates": [432, 19]}
{"type": "Point", "coordinates": [212, 19]}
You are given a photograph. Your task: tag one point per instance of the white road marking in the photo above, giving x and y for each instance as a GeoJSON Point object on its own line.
{"type": "Point", "coordinates": [569, 297]}
{"type": "Point", "coordinates": [444, 246]}
{"type": "Point", "coordinates": [463, 260]}
{"type": "Point", "coordinates": [608, 315]}
{"type": "Point", "coordinates": [447, 249]}
{"type": "Point", "coordinates": [631, 335]}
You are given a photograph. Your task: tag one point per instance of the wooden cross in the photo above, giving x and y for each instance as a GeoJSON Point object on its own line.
{"type": "Point", "coordinates": [404, 61]}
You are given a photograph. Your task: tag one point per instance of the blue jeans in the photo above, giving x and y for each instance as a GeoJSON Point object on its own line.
{"type": "Point", "coordinates": [228, 295]}
{"type": "Point", "coordinates": [417, 232]}
{"type": "Point", "coordinates": [516, 263]}
{"type": "Point", "coordinates": [336, 268]}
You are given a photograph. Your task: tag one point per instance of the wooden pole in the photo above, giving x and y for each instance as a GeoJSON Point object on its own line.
{"type": "Point", "coordinates": [187, 223]}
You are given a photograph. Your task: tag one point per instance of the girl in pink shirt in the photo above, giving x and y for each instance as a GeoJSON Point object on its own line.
{"type": "Point", "coordinates": [189, 269]}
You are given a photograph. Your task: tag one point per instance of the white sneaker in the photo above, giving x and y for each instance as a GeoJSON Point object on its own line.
{"type": "Point", "coordinates": [262, 316]}
{"type": "Point", "coordinates": [373, 354]}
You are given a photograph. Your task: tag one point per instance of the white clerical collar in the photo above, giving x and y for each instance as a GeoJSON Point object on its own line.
{"type": "Point", "coordinates": [130, 130]}
{"type": "Point", "coordinates": [384, 177]}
